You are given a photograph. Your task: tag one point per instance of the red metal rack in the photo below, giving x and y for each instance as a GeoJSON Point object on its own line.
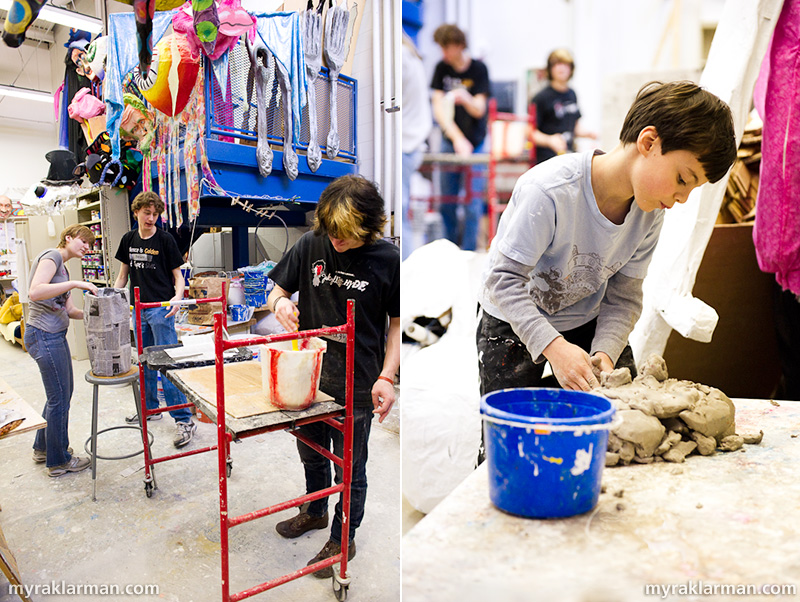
{"type": "Point", "coordinates": [327, 412]}
{"type": "Point", "coordinates": [505, 166]}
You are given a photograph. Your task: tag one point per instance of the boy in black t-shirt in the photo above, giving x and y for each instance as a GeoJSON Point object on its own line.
{"type": "Point", "coordinates": [460, 94]}
{"type": "Point", "coordinates": [152, 259]}
{"type": "Point", "coordinates": [343, 258]}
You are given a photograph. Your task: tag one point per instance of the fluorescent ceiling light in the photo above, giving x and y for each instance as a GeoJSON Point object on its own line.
{"type": "Point", "coordinates": [62, 16]}
{"type": "Point", "coordinates": [25, 93]}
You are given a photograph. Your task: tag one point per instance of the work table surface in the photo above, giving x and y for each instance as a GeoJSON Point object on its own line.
{"type": "Point", "coordinates": [731, 518]}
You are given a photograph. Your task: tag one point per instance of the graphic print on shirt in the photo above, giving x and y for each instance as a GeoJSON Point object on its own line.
{"type": "Point", "coordinates": [143, 258]}
{"type": "Point", "coordinates": [452, 83]}
{"type": "Point", "coordinates": [320, 276]}
{"type": "Point", "coordinates": [553, 291]}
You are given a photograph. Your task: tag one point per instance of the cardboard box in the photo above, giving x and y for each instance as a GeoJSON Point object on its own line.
{"type": "Point", "coordinates": [742, 358]}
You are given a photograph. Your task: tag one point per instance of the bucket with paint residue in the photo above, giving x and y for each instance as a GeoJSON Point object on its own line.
{"type": "Point", "coordinates": [290, 378]}
{"type": "Point", "coordinates": [545, 450]}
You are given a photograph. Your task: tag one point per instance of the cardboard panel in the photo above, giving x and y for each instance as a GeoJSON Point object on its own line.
{"type": "Point", "coordinates": [742, 358]}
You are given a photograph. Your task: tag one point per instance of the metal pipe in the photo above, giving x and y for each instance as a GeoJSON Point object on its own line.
{"type": "Point", "coordinates": [376, 95]}
{"type": "Point", "coordinates": [387, 164]}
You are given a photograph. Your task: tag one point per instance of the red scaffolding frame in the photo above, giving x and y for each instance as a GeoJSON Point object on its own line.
{"type": "Point", "coordinates": [341, 581]}
{"type": "Point", "coordinates": [496, 204]}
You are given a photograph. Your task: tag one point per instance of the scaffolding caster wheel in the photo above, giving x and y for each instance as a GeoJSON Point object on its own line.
{"type": "Point", "coordinates": [148, 489]}
{"type": "Point", "coordinates": [229, 468]}
{"type": "Point", "coordinates": [340, 586]}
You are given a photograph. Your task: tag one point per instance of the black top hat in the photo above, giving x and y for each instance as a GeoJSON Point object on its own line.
{"type": "Point", "coordinates": [62, 164]}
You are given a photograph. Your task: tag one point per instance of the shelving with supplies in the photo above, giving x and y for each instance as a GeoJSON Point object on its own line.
{"type": "Point", "coordinates": [104, 211]}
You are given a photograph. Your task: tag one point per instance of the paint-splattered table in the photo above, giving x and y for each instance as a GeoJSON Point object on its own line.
{"type": "Point", "coordinates": [730, 519]}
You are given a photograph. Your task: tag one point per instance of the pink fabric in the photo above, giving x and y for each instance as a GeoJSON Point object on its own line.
{"type": "Point", "coordinates": [85, 106]}
{"type": "Point", "coordinates": [777, 228]}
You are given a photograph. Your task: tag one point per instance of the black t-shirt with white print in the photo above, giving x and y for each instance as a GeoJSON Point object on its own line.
{"type": "Point", "coordinates": [326, 279]}
{"type": "Point", "coordinates": [151, 262]}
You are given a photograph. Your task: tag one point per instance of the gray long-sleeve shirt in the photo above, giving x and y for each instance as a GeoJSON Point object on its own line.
{"type": "Point", "coordinates": [557, 262]}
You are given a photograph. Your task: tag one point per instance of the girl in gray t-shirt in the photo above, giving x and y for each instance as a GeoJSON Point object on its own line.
{"type": "Point", "coordinates": [46, 340]}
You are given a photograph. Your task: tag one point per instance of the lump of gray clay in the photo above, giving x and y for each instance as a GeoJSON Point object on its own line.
{"type": "Point", "coordinates": [645, 432]}
{"type": "Point", "coordinates": [612, 459]}
{"type": "Point", "coordinates": [679, 451]}
{"type": "Point", "coordinates": [705, 445]}
{"type": "Point", "coordinates": [712, 416]}
{"type": "Point", "coordinates": [626, 452]}
{"type": "Point", "coordinates": [670, 439]}
{"type": "Point", "coordinates": [617, 378]}
{"type": "Point", "coordinates": [731, 443]}
{"type": "Point", "coordinates": [654, 366]}
{"type": "Point", "coordinates": [752, 438]}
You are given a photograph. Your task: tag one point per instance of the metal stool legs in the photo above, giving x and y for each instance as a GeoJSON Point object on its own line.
{"type": "Point", "coordinates": [91, 443]}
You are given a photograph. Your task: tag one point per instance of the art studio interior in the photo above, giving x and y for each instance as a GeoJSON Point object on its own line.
{"type": "Point", "coordinates": [392, 300]}
{"type": "Point", "coordinates": [191, 145]}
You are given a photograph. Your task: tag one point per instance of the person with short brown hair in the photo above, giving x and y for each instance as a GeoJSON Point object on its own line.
{"type": "Point", "coordinates": [563, 280]}
{"type": "Point", "coordinates": [460, 101]}
{"type": "Point", "coordinates": [150, 256]}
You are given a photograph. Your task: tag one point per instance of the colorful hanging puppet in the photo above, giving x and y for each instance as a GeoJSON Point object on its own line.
{"type": "Point", "coordinates": [171, 76]}
{"type": "Point", "coordinates": [138, 126]}
{"type": "Point", "coordinates": [70, 132]}
{"type": "Point", "coordinates": [20, 16]}
{"type": "Point", "coordinates": [205, 20]}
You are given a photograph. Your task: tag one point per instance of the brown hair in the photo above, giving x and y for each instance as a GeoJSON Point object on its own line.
{"type": "Point", "coordinates": [686, 117]}
{"type": "Point", "coordinates": [559, 55]}
{"type": "Point", "coordinates": [350, 207]}
{"type": "Point", "coordinates": [445, 35]}
{"type": "Point", "coordinates": [76, 231]}
{"type": "Point", "coordinates": [148, 197]}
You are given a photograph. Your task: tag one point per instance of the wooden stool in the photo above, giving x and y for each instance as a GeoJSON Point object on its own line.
{"type": "Point", "coordinates": [132, 377]}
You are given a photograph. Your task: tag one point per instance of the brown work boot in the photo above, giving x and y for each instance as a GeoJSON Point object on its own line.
{"type": "Point", "coordinates": [331, 549]}
{"type": "Point", "coordinates": [295, 527]}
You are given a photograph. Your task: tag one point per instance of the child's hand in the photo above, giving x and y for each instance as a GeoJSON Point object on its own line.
{"type": "Point", "coordinates": [601, 363]}
{"type": "Point", "coordinates": [571, 365]}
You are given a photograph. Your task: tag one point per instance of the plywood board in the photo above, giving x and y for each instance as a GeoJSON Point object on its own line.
{"type": "Point", "coordinates": [8, 565]}
{"type": "Point", "coordinates": [243, 391]}
{"type": "Point", "coordinates": [9, 399]}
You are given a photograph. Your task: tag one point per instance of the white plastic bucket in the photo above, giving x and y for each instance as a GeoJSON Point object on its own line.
{"type": "Point", "coordinates": [289, 378]}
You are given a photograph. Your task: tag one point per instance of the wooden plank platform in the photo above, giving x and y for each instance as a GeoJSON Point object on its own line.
{"type": "Point", "coordinates": [246, 407]}
{"type": "Point", "coordinates": [9, 399]}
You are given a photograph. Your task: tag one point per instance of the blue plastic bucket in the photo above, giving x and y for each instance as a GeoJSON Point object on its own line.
{"type": "Point", "coordinates": [545, 450]}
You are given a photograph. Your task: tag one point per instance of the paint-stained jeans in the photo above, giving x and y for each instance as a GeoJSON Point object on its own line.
{"type": "Point", "coordinates": [318, 468]}
{"type": "Point", "coordinates": [504, 361]}
{"type": "Point", "coordinates": [51, 353]}
{"type": "Point", "coordinates": [157, 329]}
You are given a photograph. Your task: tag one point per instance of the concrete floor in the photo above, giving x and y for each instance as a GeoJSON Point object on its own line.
{"type": "Point", "coordinates": [58, 534]}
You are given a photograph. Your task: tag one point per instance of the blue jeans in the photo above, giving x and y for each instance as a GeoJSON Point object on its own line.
{"type": "Point", "coordinates": [452, 183]}
{"type": "Point", "coordinates": [51, 353]}
{"type": "Point", "coordinates": [157, 329]}
{"type": "Point", "coordinates": [318, 468]}
{"type": "Point", "coordinates": [411, 162]}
